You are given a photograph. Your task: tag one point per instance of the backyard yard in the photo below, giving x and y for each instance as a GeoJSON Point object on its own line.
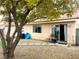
{"type": "Point", "coordinates": [45, 52]}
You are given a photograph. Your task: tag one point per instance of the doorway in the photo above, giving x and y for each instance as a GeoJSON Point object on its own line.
{"type": "Point", "coordinates": [62, 33]}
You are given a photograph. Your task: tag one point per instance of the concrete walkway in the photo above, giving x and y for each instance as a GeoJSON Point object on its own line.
{"type": "Point", "coordinates": [37, 42]}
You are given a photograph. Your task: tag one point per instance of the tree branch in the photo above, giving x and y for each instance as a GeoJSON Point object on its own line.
{"type": "Point", "coordinates": [9, 26]}
{"type": "Point", "coordinates": [8, 40]}
{"type": "Point", "coordinates": [13, 11]}
{"type": "Point", "coordinates": [27, 13]}
{"type": "Point", "coordinates": [13, 36]}
{"type": "Point", "coordinates": [17, 38]}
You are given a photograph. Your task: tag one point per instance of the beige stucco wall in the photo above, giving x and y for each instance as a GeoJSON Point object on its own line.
{"type": "Point", "coordinates": [71, 33]}
{"type": "Point", "coordinates": [46, 31]}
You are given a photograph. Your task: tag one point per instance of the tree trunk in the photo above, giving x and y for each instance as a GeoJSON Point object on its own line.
{"type": "Point", "coordinates": [8, 54]}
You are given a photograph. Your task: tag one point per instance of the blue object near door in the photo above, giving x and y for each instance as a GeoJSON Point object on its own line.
{"type": "Point", "coordinates": [27, 36]}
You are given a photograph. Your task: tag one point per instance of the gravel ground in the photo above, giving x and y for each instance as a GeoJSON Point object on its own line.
{"type": "Point", "coordinates": [54, 51]}
{"type": "Point", "coordinates": [45, 52]}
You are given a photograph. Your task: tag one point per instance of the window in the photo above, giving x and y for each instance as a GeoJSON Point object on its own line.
{"type": "Point", "coordinates": [37, 29]}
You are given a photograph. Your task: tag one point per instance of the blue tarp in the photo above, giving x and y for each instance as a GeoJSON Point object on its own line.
{"type": "Point", "coordinates": [27, 36]}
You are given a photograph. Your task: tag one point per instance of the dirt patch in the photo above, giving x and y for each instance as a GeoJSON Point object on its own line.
{"type": "Point", "coordinates": [54, 51]}
{"type": "Point", "coordinates": [45, 52]}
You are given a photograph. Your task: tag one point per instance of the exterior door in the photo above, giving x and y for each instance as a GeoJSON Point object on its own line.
{"type": "Point", "coordinates": [60, 32]}
{"type": "Point", "coordinates": [56, 31]}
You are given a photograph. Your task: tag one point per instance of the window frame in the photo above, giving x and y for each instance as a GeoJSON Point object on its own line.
{"type": "Point", "coordinates": [36, 29]}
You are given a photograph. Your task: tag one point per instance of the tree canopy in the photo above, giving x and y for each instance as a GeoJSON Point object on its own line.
{"type": "Point", "coordinates": [47, 8]}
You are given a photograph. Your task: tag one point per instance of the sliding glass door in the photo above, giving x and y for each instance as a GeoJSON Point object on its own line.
{"type": "Point", "coordinates": [60, 32]}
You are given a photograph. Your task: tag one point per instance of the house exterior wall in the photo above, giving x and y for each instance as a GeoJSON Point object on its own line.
{"type": "Point", "coordinates": [46, 31]}
{"type": "Point", "coordinates": [71, 34]}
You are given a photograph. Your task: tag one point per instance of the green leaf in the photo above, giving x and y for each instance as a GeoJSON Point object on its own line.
{"type": "Point", "coordinates": [32, 2]}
